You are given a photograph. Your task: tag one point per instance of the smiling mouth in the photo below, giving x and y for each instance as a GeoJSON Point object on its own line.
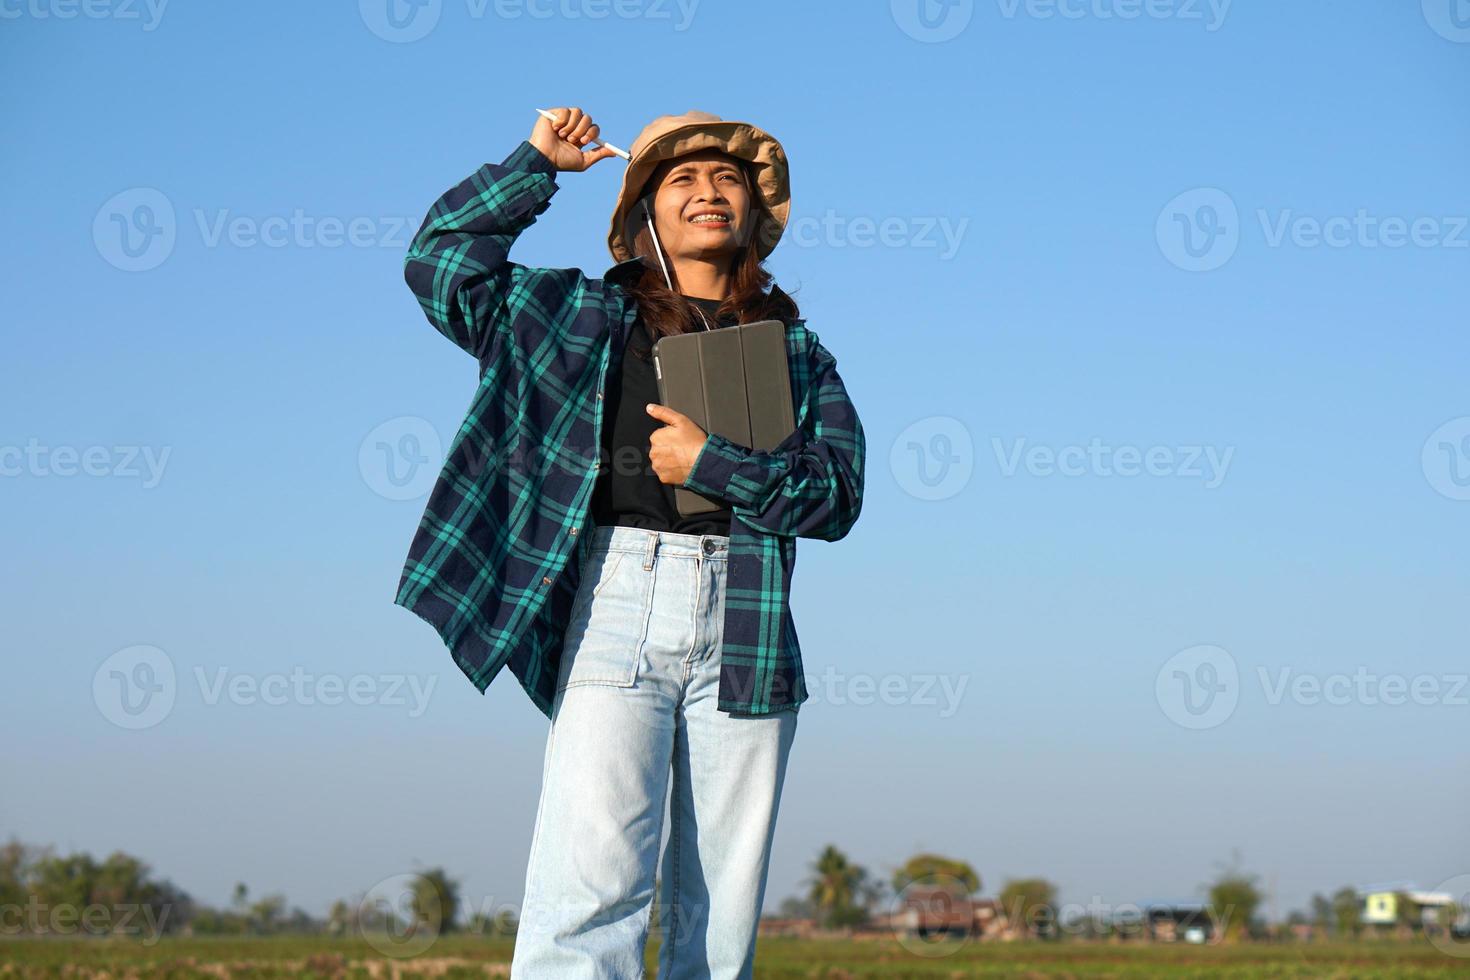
{"type": "Point", "coordinates": [710, 220]}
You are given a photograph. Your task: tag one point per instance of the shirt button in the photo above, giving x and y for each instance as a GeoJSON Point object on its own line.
{"type": "Point", "coordinates": [574, 532]}
{"type": "Point", "coordinates": [545, 580]}
{"type": "Point", "coordinates": [599, 396]}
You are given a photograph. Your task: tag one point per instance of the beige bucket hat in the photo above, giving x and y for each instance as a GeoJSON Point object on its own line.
{"type": "Point", "coordinates": [673, 136]}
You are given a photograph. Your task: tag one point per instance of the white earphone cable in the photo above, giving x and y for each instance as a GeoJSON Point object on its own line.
{"type": "Point", "coordinates": [659, 250]}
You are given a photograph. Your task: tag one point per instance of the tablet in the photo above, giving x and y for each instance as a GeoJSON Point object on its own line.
{"type": "Point", "coordinates": [734, 381]}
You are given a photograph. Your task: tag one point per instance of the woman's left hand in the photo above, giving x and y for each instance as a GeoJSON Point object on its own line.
{"type": "Point", "coordinates": [673, 448]}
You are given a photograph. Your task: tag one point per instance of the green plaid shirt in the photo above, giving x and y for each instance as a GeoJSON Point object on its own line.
{"type": "Point", "coordinates": [496, 560]}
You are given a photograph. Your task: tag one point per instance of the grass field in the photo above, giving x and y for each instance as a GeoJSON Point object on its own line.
{"type": "Point", "coordinates": [463, 956]}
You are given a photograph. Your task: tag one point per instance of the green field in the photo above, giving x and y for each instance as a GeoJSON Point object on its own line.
{"type": "Point", "coordinates": [464, 956]}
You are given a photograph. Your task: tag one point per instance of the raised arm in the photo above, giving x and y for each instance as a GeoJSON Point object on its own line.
{"type": "Point", "coordinates": [457, 264]}
{"type": "Point", "coordinates": [811, 484]}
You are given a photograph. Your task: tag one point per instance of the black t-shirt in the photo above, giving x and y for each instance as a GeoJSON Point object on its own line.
{"type": "Point", "coordinates": [628, 492]}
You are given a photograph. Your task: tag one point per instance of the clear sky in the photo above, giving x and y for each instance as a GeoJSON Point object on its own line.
{"type": "Point", "coordinates": [1154, 312]}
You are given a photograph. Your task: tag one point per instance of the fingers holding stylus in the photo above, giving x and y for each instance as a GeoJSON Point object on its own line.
{"type": "Point", "coordinates": [563, 136]}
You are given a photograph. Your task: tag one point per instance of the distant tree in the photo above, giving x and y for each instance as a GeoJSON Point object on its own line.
{"type": "Point", "coordinates": [339, 918]}
{"type": "Point", "coordinates": [76, 892]}
{"type": "Point", "coordinates": [64, 880]}
{"type": "Point", "coordinates": [119, 879]}
{"type": "Point", "coordinates": [121, 895]}
{"type": "Point", "coordinates": [1347, 912]}
{"type": "Point", "coordinates": [1409, 916]}
{"type": "Point", "coordinates": [838, 889]}
{"type": "Point", "coordinates": [267, 914]}
{"type": "Point", "coordinates": [177, 903]}
{"type": "Point", "coordinates": [302, 921]}
{"type": "Point", "coordinates": [209, 922]}
{"type": "Point", "coordinates": [16, 861]}
{"type": "Point", "coordinates": [1322, 913]}
{"type": "Point", "coordinates": [948, 873]}
{"type": "Point", "coordinates": [436, 900]}
{"type": "Point", "coordinates": [1030, 904]}
{"type": "Point", "coordinates": [125, 881]}
{"type": "Point", "coordinates": [1234, 898]}
{"type": "Point", "coordinates": [873, 893]}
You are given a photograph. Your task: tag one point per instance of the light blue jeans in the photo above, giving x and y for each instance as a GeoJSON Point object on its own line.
{"type": "Point", "coordinates": [635, 703]}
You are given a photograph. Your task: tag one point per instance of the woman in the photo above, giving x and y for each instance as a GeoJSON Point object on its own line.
{"type": "Point", "coordinates": [661, 646]}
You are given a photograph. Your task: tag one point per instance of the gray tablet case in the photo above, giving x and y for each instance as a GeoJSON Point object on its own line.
{"type": "Point", "coordinates": [733, 381]}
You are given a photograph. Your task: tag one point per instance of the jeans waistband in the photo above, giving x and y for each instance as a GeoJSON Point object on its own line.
{"type": "Point", "coordinates": [650, 543]}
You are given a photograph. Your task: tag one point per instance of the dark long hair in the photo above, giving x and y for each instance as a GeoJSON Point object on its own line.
{"type": "Point", "coordinates": [665, 312]}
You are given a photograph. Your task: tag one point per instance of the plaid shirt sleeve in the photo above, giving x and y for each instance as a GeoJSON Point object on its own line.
{"type": "Point", "coordinates": [811, 483]}
{"type": "Point", "coordinates": [457, 265]}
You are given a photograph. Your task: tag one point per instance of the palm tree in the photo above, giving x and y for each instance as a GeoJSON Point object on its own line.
{"type": "Point", "coordinates": [838, 889]}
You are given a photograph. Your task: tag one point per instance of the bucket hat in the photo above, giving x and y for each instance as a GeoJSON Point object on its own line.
{"type": "Point", "coordinates": [668, 137]}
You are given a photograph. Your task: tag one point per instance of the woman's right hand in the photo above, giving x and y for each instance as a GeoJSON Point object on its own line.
{"type": "Point", "coordinates": [562, 142]}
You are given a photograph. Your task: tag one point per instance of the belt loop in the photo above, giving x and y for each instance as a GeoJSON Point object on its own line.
{"type": "Point", "coordinates": [650, 550]}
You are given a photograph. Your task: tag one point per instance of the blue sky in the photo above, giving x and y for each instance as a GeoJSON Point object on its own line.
{"type": "Point", "coordinates": [1154, 314]}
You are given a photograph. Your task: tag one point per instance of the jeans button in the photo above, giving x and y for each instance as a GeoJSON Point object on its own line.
{"type": "Point", "coordinates": [709, 546]}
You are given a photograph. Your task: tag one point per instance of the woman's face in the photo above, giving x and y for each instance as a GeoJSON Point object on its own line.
{"type": "Point", "coordinates": [701, 206]}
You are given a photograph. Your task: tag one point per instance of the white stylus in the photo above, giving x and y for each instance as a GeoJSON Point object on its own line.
{"type": "Point", "coordinates": [622, 153]}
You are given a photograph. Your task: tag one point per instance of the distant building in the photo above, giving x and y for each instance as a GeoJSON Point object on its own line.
{"type": "Point", "coordinates": [932, 912]}
{"type": "Point", "coordinates": [1303, 932]}
{"type": "Point", "coordinates": [1179, 921]}
{"type": "Point", "coordinates": [1403, 902]}
{"type": "Point", "coordinates": [801, 928]}
{"type": "Point", "coordinates": [1164, 921]}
